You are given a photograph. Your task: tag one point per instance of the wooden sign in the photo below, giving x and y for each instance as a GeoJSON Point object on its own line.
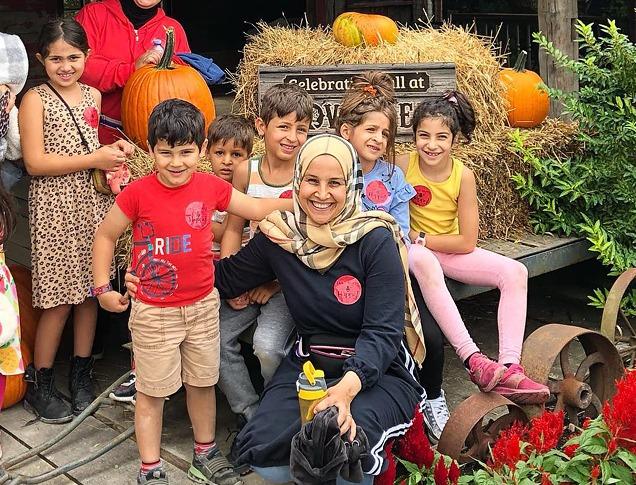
{"type": "Point", "coordinates": [327, 85]}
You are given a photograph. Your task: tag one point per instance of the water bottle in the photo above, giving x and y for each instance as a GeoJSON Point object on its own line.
{"type": "Point", "coordinates": [157, 46]}
{"type": "Point", "coordinates": [312, 388]}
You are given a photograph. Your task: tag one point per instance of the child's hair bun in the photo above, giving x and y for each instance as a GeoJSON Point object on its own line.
{"type": "Point", "coordinates": [374, 83]}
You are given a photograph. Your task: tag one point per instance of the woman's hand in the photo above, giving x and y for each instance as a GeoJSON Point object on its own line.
{"type": "Point", "coordinates": [108, 157]}
{"type": "Point", "coordinates": [131, 282]}
{"type": "Point", "coordinates": [341, 395]}
{"type": "Point", "coordinates": [113, 301]}
{"type": "Point", "coordinates": [151, 56]}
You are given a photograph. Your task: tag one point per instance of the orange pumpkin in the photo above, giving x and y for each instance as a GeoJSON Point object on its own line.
{"type": "Point", "coordinates": [353, 28]}
{"type": "Point", "coordinates": [528, 105]}
{"type": "Point", "coordinates": [29, 318]}
{"type": "Point", "coordinates": [16, 386]}
{"type": "Point", "coordinates": [150, 85]}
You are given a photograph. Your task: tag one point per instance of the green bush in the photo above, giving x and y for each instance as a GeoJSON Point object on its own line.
{"type": "Point", "coordinates": [593, 192]}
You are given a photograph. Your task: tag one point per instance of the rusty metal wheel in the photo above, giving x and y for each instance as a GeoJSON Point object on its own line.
{"type": "Point", "coordinates": [579, 366]}
{"type": "Point", "coordinates": [621, 332]}
{"type": "Point", "coordinates": [475, 424]}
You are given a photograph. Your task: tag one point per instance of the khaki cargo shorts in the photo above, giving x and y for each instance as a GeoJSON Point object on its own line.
{"type": "Point", "coordinates": [175, 345]}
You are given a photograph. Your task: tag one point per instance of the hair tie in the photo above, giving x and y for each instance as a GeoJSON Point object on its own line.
{"type": "Point", "coordinates": [450, 97]}
{"type": "Point", "coordinates": [371, 90]}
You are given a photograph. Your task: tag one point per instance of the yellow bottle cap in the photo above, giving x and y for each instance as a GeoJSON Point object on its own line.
{"type": "Point", "coordinates": [311, 372]}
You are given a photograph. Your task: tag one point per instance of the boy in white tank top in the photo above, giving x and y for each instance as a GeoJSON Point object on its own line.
{"type": "Point", "coordinates": [286, 112]}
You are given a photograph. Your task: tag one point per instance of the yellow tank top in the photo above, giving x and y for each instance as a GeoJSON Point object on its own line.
{"type": "Point", "coordinates": [434, 209]}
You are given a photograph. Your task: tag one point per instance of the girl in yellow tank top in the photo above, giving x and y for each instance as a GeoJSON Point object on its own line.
{"type": "Point", "coordinates": [444, 221]}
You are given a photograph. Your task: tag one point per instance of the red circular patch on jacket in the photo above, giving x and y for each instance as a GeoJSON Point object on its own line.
{"type": "Point", "coordinates": [287, 194]}
{"type": "Point", "coordinates": [91, 116]}
{"type": "Point", "coordinates": [423, 195]}
{"type": "Point", "coordinates": [347, 289]}
{"type": "Point", "coordinates": [377, 192]}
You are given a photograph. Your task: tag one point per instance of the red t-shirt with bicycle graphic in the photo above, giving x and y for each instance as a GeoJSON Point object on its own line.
{"type": "Point", "coordinates": [172, 236]}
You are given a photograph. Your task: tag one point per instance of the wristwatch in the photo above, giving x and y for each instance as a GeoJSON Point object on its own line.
{"type": "Point", "coordinates": [100, 290]}
{"type": "Point", "coordinates": [421, 239]}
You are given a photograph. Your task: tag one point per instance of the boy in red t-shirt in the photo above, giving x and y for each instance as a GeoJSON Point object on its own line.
{"type": "Point", "coordinates": [174, 319]}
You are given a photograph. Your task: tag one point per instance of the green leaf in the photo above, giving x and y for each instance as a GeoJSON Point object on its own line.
{"type": "Point", "coordinates": [628, 458]}
{"type": "Point", "coordinates": [412, 468]}
{"type": "Point", "coordinates": [623, 474]}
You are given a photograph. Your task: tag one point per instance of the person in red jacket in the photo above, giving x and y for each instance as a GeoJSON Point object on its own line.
{"type": "Point", "coordinates": [120, 35]}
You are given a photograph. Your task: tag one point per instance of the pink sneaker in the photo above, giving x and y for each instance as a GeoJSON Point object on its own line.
{"type": "Point", "coordinates": [485, 373]}
{"type": "Point", "coordinates": [520, 389]}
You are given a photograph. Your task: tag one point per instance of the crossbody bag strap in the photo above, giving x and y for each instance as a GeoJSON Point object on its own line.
{"type": "Point", "coordinates": [70, 112]}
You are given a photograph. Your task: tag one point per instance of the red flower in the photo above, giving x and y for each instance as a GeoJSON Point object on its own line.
{"type": "Point", "coordinates": [453, 473]}
{"type": "Point", "coordinates": [388, 477]}
{"type": "Point", "coordinates": [619, 414]}
{"type": "Point", "coordinates": [570, 449]}
{"type": "Point", "coordinates": [545, 479]}
{"type": "Point", "coordinates": [595, 473]}
{"type": "Point", "coordinates": [507, 448]}
{"type": "Point", "coordinates": [441, 473]}
{"type": "Point", "coordinates": [544, 432]}
{"type": "Point", "coordinates": [414, 445]}
{"type": "Point", "coordinates": [586, 422]}
{"type": "Point", "coordinates": [612, 445]}
{"type": "Point", "coordinates": [91, 116]}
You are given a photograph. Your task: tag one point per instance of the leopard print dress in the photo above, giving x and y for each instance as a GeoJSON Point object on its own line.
{"type": "Point", "coordinates": [65, 210]}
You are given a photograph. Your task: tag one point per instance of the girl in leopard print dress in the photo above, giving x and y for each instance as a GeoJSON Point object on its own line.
{"type": "Point", "coordinates": [58, 124]}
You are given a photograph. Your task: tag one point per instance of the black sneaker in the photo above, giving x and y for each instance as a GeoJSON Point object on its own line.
{"type": "Point", "coordinates": [80, 383]}
{"type": "Point", "coordinates": [213, 467]}
{"type": "Point", "coordinates": [126, 391]}
{"type": "Point", "coordinates": [43, 399]}
{"type": "Point", "coordinates": [156, 476]}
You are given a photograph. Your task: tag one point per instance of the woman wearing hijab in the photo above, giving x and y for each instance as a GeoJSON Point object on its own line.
{"type": "Point", "coordinates": [120, 35]}
{"type": "Point", "coordinates": [342, 272]}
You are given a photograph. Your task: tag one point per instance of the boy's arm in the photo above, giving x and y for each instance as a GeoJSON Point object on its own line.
{"type": "Point", "coordinates": [233, 233]}
{"type": "Point", "coordinates": [113, 226]}
{"type": "Point", "coordinates": [256, 209]}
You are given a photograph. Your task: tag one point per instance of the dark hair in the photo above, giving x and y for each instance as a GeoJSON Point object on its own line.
{"type": "Point", "coordinates": [232, 127]}
{"type": "Point", "coordinates": [368, 92]}
{"type": "Point", "coordinates": [455, 110]}
{"type": "Point", "coordinates": [282, 99]}
{"type": "Point", "coordinates": [176, 121]}
{"type": "Point", "coordinates": [7, 215]}
{"type": "Point", "coordinates": [65, 28]}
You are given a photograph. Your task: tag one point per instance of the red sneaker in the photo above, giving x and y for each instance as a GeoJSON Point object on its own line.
{"type": "Point", "coordinates": [485, 373]}
{"type": "Point", "coordinates": [520, 389]}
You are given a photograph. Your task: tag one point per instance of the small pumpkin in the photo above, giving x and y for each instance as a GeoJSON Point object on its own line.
{"type": "Point", "coordinates": [150, 85]}
{"type": "Point", "coordinates": [528, 105]}
{"type": "Point", "coordinates": [29, 318]}
{"type": "Point", "coordinates": [16, 386]}
{"type": "Point", "coordinates": [353, 28]}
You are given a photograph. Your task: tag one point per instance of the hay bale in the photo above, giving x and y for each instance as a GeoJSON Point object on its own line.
{"type": "Point", "coordinates": [503, 214]}
{"type": "Point", "coordinates": [476, 62]}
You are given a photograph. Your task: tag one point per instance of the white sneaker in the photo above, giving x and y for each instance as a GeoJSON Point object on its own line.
{"type": "Point", "coordinates": [436, 416]}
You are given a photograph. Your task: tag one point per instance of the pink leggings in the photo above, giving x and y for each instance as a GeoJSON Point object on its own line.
{"type": "Point", "coordinates": [482, 268]}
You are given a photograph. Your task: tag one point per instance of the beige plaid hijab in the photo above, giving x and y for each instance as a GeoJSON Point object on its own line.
{"type": "Point", "coordinates": [319, 246]}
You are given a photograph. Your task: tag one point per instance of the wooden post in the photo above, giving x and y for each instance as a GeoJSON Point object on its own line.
{"type": "Point", "coordinates": [556, 22]}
